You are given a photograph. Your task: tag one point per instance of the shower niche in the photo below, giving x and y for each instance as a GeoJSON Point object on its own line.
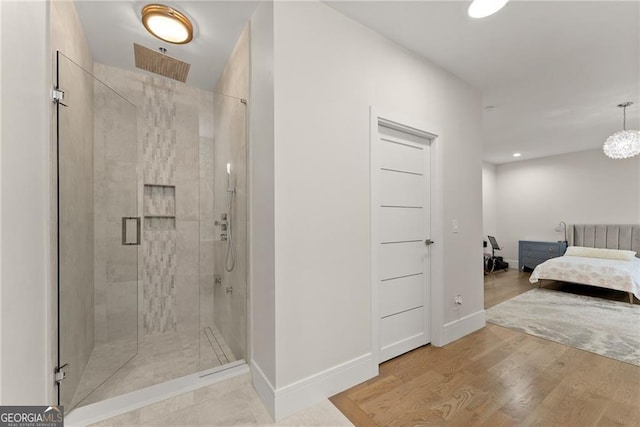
{"type": "Point", "coordinates": [159, 201]}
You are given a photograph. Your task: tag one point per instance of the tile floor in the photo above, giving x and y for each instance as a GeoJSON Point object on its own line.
{"type": "Point", "coordinates": [215, 351]}
{"type": "Point", "coordinates": [160, 358]}
{"type": "Point", "coordinates": [229, 403]}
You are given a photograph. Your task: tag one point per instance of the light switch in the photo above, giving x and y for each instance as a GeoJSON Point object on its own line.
{"type": "Point", "coordinates": [454, 225]}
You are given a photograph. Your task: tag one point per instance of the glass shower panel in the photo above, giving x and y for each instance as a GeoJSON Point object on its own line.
{"type": "Point", "coordinates": [99, 232]}
{"type": "Point", "coordinates": [223, 189]}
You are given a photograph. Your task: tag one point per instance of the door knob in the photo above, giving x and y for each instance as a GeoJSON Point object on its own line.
{"type": "Point", "coordinates": [429, 242]}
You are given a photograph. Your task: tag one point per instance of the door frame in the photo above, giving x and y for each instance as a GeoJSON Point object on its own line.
{"type": "Point", "coordinates": [432, 132]}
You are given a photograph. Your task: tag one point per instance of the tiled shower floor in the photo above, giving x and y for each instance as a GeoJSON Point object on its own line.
{"type": "Point", "coordinates": [160, 358]}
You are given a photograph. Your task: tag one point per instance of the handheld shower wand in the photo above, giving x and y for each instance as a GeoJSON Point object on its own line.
{"type": "Point", "coordinates": [230, 259]}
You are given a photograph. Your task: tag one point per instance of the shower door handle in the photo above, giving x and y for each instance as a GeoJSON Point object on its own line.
{"type": "Point", "coordinates": [127, 230]}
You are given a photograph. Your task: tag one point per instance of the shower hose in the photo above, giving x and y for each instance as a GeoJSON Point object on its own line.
{"type": "Point", "coordinates": [230, 259]}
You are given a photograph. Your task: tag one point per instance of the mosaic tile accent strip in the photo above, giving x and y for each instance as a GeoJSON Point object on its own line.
{"type": "Point", "coordinates": [159, 200]}
{"type": "Point", "coordinates": [159, 243]}
{"type": "Point", "coordinates": [158, 131]}
{"type": "Point", "coordinates": [159, 275]}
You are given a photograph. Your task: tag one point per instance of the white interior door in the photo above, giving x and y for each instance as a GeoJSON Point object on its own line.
{"type": "Point", "coordinates": [402, 225]}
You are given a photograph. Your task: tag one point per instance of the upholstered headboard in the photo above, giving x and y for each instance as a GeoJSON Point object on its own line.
{"type": "Point", "coordinates": [608, 236]}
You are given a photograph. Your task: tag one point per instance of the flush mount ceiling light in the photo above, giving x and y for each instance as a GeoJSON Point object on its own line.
{"type": "Point", "coordinates": [484, 8]}
{"type": "Point", "coordinates": [167, 24]}
{"type": "Point", "coordinates": [625, 143]}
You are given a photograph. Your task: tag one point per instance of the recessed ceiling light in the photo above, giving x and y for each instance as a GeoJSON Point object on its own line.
{"type": "Point", "coordinates": [167, 24]}
{"type": "Point", "coordinates": [517, 154]}
{"type": "Point", "coordinates": [484, 8]}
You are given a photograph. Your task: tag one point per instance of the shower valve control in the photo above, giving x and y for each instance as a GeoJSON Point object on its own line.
{"type": "Point", "coordinates": [223, 223]}
{"type": "Point", "coordinates": [223, 220]}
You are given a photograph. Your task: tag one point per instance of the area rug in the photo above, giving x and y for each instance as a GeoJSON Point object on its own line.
{"type": "Point", "coordinates": [608, 328]}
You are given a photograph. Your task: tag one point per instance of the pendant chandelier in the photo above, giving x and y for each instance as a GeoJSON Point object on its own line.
{"type": "Point", "coordinates": [625, 143]}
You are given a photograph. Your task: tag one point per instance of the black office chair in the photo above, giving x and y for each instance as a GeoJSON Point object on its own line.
{"type": "Point", "coordinates": [495, 262]}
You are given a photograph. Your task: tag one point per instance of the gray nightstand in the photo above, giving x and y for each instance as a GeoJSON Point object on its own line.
{"type": "Point", "coordinates": [530, 254]}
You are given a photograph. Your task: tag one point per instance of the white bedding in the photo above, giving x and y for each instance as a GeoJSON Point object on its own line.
{"type": "Point", "coordinates": [605, 273]}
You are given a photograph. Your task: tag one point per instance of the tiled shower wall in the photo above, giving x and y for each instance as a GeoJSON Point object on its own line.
{"type": "Point", "coordinates": [207, 216]}
{"type": "Point", "coordinates": [175, 123]}
{"type": "Point", "coordinates": [230, 115]}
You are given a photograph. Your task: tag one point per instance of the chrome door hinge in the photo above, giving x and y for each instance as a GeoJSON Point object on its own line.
{"type": "Point", "coordinates": [59, 374]}
{"type": "Point", "coordinates": [57, 95]}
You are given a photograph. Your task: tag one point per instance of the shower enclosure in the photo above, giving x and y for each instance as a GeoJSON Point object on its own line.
{"type": "Point", "coordinates": [152, 250]}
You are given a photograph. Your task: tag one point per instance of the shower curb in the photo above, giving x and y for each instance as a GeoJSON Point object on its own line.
{"type": "Point", "coordinates": [124, 403]}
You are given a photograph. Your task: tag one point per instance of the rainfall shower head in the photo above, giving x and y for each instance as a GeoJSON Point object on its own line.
{"type": "Point", "coordinates": [159, 63]}
{"type": "Point", "coordinates": [229, 188]}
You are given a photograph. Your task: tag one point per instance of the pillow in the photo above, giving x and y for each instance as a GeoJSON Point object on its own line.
{"type": "Point", "coordinates": [616, 254]}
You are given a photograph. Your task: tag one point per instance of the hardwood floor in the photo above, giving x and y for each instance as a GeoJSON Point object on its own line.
{"type": "Point", "coordinates": [501, 286]}
{"type": "Point", "coordinates": [498, 377]}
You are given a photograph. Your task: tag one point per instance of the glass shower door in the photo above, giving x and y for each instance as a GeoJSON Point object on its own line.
{"type": "Point", "coordinates": [223, 190]}
{"type": "Point", "coordinates": [98, 232]}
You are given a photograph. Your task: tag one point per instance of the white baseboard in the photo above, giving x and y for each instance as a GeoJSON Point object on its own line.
{"type": "Point", "coordinates": [461, 327]}
{"type": "Point", "coordinates": [513, 264]}
{"type": "Point", "coordinates": [263, 387]}
{"type": "Point", "coordinates": [292, 398]}
{"type": "Point", "coordinates": [308, 391]}
{"type": "Point", "coordinates": [401, 347]}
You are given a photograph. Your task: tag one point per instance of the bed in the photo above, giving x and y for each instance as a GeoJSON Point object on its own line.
{"type": "Point", "coordinates": [622, 275]}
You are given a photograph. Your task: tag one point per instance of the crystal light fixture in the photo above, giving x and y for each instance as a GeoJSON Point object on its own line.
{"type": "Point", "coordinates": [625, 143]}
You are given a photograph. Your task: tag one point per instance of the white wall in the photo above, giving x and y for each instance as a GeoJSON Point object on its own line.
{"type": "Point", "coordinates": [261, 205]}
{"type": "Point", "coordinates": [0, 204]}
{"type": "Point", "coordinates": [579, 188]}
{"type": "Point", "coordinates": [328, 71]}
{"type": "Point", "coordinates": [489, 203]}
{"type": "Point", "coordinates": [25, 372]}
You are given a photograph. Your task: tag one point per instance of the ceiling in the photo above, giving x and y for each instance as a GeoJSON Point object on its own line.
{"type": "Point", "coordinates": [113, 26]}
{"type": "Point", "coordinates": [551, 72]}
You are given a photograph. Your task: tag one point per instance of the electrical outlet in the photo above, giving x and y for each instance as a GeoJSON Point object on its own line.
{"type": "Point", "coordinates": [458, 299]}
